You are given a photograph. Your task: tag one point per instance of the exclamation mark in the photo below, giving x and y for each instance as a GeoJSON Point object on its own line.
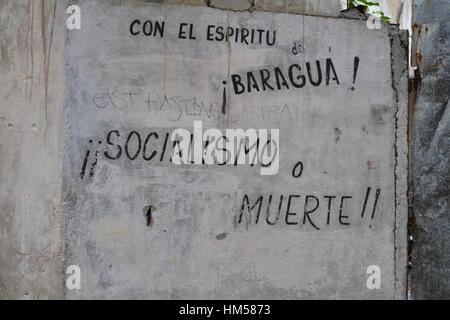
{"type": "Point", "coordinates": [94, 164]}
{"type": "Point", "coordinates": [366, 200]}
{"type": "Point", "coordinates": [355, 71]}
{"type": "Point", "coordinates": [224, 104]}
{"type": "Point", "coordinates": [85, 162]}
{"type": "Point", "coordinates": [377, 196]}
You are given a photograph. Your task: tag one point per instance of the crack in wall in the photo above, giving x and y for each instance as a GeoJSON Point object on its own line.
{"type": "Point", "coordinates": [47, 56]}
{"type": "Point", "coordinates": [396, 43]}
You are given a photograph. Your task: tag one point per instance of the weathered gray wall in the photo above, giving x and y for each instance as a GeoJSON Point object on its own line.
{"type": "Point", "coordinates": [431, 150]}
{"type": "Point", "coordinates": [398, 10]}
{"type": "Point", "coordinates": [348, 141]}
{"type": "Point", "coordinates": [32, 37]}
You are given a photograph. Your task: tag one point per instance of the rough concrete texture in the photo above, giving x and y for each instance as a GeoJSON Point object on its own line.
{"type": "Point", "coordinates": [231, 4]}
{"type": "Point", "coordinates": [431, 150]}
{"type": "Point", "coordinates": [31, 94]}
{"type": "Point", "coordinates": [151, 229]}
{"type": "Point", "coordinates": [310, 7]}
{"type": "Point", "coordinates": [400, 69]}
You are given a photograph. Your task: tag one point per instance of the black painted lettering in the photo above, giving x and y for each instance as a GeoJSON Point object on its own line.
{"type": "Point", "coordinates": [288, 210]}
{"type": "Point", "coordinates": [159, 28]}
{"type": "Point", "coordinates": [132, 29]}
{"type": "Point", "coordinates": [298, 170]}
{"type": "Point", "coordinates": [319, 73]}
{"type": "Point", "coordinates": [307, 211]}
{"type": "Point", "coordinates": [144, 151]}
{"type": "Point", "coordinates": [280, 204]}
{"type": "Point", "coordinates": [209, 34]}
{"type": "Point", "coordinates": [147, 28]}
{"type": "Point", "coordinates": [330, 200]}
{"type": "Point", "coordinates": [220, 34]}
{"type": "Point", "coordinates": [182, 32]}
{"type": "Point", "coordinates": [330, 68]}
{"type": "Point", "coordinates": [246, 203]}
{"type": "Point", "coordinates": [237, 84]}
{"type": "Point", "coordinates": [127, 145]}
{"type": "Point", "coordinates": [341, 209]}
{"type": "Point", "coordinates": [280, 79]}
{"type": "Point", "coordinates": [265, 75]}
{"type": "Point", "coordinates": [244, 35]}
{"type": "Point", "coordinates": [251, 82]}
{"type": "Point", "coordinates": [270, 43]}
{"type": "Point", "coordinates": [109, 142]}
{"type": "Point", "coordinates": [294, 79]}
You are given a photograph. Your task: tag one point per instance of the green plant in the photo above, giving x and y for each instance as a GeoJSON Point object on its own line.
{"type": "Point", "coordinates": [370, 7]}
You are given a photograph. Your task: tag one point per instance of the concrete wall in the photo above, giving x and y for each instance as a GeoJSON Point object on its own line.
{"type": "Point", "coordinates": [430, 150]}
{"type": "Point", "coordinates": [399, 11]}
{"type": "Point", "coordinates": [349, 134]}
{"type": "Point", "coordinates": [31, 148]}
